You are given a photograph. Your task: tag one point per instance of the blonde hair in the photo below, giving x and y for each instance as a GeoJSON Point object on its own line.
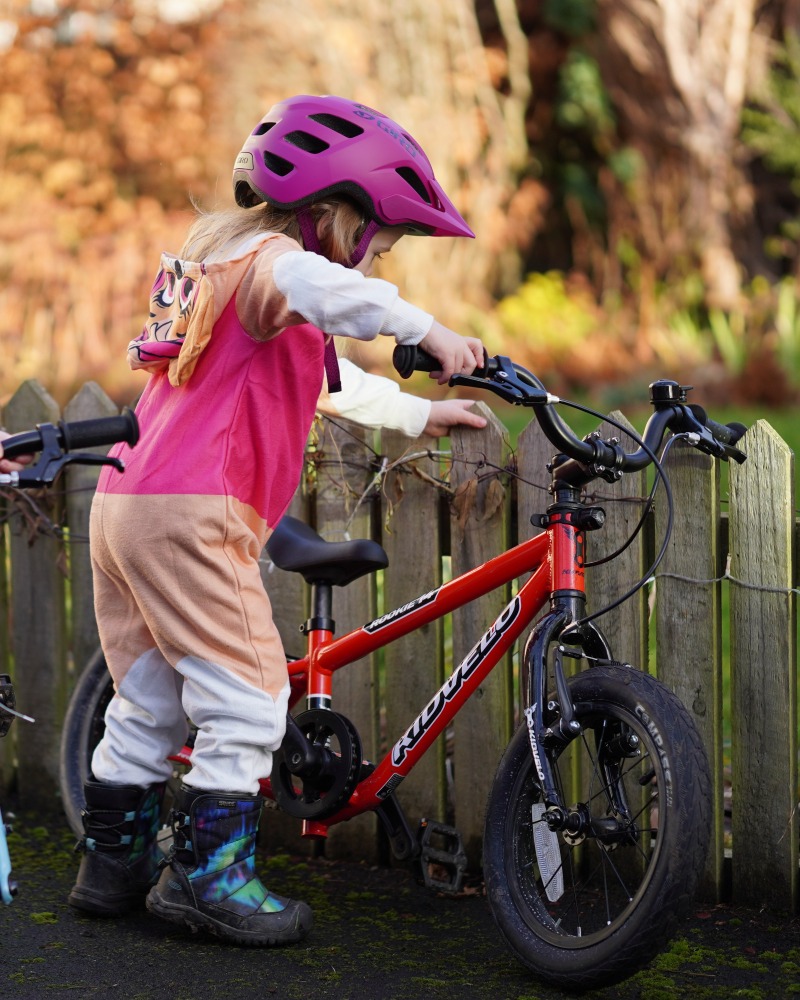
{"type": "Point", "coordinates": [339, 222]}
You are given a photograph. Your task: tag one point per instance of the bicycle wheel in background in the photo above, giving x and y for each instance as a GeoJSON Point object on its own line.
{"type": "Point", "coordinates": [587, 908]}
{"type": "Point", "coordinates": [84, 725]}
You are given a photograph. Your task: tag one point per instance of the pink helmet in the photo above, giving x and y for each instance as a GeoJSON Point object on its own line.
{"type": "Point", "coordinates": [307, 148]}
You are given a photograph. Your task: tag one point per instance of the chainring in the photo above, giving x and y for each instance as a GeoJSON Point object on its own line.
{"type": "Point", "coordinates": [324, 790]}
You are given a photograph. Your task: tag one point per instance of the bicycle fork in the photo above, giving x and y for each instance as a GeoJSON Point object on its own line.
{"type": "Point", "coordinates": [564, 628]}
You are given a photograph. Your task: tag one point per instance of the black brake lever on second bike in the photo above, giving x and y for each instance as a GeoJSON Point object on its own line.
{"type": "Point", "coordinates": [53, 459]}
{"type": "Point", "coordinates": [715, 439]}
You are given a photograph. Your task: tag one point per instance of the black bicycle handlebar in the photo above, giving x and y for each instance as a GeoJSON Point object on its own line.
{"type": "Point", "coordinates": [78, 434]}
{"type": "Point", "coordinates": [517, 385]}
{"type": "Point", "coordinates": [57, 444]}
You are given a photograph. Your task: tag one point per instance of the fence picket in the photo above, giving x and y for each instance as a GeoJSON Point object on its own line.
{"type": "Point", "coordinates": [764, 673]}
{"type": "Point", "coordinates": [625, 626]}
{"type": "Point", "coordinates": [688, 627]}
{"type": "Point", "coordinates": [413, 543]}
{"type": "Point", "coordinates": [287, 594]}
{"type": "Point", "coordinates": [38, 619]}
{"type": "Point", "coordinates": [81, 481]}
{"type": "Point", "coordinates": [478, 531]}
{"type": "Point", "coordinates": [342, 479]}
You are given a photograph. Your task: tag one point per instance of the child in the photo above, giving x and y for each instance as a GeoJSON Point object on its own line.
{"type": "Point", "coordinates": [235, 348]}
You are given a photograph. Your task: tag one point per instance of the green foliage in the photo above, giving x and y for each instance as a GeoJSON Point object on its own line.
{"type": "Point", "coordinates": [571, 17]}
{"type": "Point", "coordinates": [787, 327]}
{"type": "Point", "coordinates": [766, 322]}
{"type": "Point", "coordinates": [583, 101]}
{"type": "Point", "coordinates": [579, 182]}
{"type": "Point", "coordinates": [544, 313]}
{"type": "Point", "coordinates": [729, 332]}
{"type": "Point", "coordinates": [773, 128]}
{"type": "Point", "coordinates": [626, 164]}
{"type": "Point", "coordinates": [584, 112]}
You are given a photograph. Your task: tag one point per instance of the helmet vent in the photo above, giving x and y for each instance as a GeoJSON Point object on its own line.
{"type": "Point", "coordinates": [337, 124]}
{"type": "Point", "coordinates": [277, 164]}
{"type": "Point", "coordinates": [263, 128]}
{"type": "Point", "coordinates": [412, 177]}
{"type": "Point", "coordinates": [304, 140]}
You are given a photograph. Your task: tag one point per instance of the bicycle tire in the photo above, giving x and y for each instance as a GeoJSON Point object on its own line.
{"type": "Point", "coordinates": [598, 928]}
{"type": "Point", "coordinates": [84, 725]}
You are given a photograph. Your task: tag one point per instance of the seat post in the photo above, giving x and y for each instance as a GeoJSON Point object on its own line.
{"type": "Point", "coordinates": [319, 629]}
{"type": "Point", "coordinates": [321, 609]}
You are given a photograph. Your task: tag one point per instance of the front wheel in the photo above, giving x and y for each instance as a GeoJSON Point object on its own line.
{"type": "Point", "coordinates": [588, 905]}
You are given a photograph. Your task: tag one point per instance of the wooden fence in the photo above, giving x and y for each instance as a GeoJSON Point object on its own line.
{"type": "Point", "coordinates": [721, 615]}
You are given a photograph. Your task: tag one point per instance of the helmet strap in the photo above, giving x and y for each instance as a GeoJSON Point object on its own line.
{"type": "Point", "coordinates": [358, 254]}
{"type": "Point", "coordinates": [311, 242]}
{"type": "Point", "coordinates": [308, 230]}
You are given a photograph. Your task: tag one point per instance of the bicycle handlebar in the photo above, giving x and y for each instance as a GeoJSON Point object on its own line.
{"type": "Point", "coordinates": [78, 434]}
{"type": "Point", "coordinates": [606, 459]}
{"type": "Point", "coordinates": [57, 444]}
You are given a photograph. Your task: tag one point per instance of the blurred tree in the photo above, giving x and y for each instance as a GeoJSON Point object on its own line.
{"type": "Point", "coordinates": [677, 71]}
{"type": "Point", "coordinates": [113, 116]}
{"type": "Point", "coordinates": [103, 115]}
{"type": "Point", "coordinates": [422, 62]}
{"type": "Point", "coordinates": [771, 127]}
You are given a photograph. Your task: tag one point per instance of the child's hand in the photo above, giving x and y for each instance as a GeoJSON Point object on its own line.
{"type": "Point", "coordinates": [447, 413]}
{"type": "Point", "coordinates": [458, 355]}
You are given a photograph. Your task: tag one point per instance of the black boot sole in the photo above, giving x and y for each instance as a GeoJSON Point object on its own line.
{"type": "Point", "coordinates": [195, 920]}
{"type": "Point", "coordinates": [103, 905]}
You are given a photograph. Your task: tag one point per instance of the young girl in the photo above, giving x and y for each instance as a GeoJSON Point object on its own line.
{"type": "Point", "coordinates": [236, 350]}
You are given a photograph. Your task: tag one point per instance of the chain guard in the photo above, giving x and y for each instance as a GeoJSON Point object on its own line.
{"type": "Point", "coordinates": [319, 791]}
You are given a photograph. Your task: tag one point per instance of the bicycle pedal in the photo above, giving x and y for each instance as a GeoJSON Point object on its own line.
{"type": "Point", "coordinates": [442, 855]}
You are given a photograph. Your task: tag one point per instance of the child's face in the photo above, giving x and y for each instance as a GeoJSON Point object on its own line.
{"type": "Point", "coordinates": [380, 244]}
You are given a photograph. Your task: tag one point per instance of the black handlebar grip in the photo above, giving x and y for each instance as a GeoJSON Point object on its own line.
{"type": "Point", "coordinates": [408, 358]}
{"type": "Point", "coordinates": [101, 430]}
{"type": "Point", "coordinates": [726, 433]}
{"type": "Point", "coordinates": [80, 434]}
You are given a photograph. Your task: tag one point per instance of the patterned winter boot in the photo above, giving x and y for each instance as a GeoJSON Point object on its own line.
{"type": "Point", "coordinates": [120, 851]}
{"type": "Point", "coordinates": [209, 880]}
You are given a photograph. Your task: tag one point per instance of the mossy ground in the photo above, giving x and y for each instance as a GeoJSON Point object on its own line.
{"type": "Point", "coordinates": [379, 935]}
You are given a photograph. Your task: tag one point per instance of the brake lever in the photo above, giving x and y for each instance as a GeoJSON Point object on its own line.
{"type": "Point", "coordinates": [700, 437]}
{"type": "Point", "coordinates": [509, 393]}
{"type": "Point", "coordinates": [707, 443]}
{"type": "Point", "coordinates": [47, 469]}
{"type": "Point", "coordinates": [504, 382]}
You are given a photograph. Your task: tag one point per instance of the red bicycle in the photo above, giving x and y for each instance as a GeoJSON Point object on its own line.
{"type": "Point", "coordinates": [598, 822]}
{"type": "Point", "coordinates": [54, 442]}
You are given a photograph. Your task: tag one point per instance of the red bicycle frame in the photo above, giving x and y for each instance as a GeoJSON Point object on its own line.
{"type": "Point", "coordinates": [555, 560]}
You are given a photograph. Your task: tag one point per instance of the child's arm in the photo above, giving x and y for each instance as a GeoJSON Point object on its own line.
{"type": "Point", "coordinates": [375, 401]}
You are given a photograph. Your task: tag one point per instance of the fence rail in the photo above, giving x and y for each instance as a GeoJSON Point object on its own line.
{"type": "Point", "coordinates": [718, 623]}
